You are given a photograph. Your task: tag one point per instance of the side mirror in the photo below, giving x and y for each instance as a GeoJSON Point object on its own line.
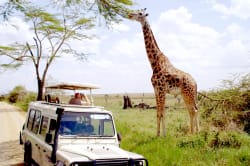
{"type": "Point", "coordinates": [119, 136]}
{"type": "Point", "coordinates": [48, 138]}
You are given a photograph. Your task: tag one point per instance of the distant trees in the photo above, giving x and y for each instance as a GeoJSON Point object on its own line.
{"type": "Point", "coordinates": [228, 104]}
{"type": "Point", "coordinates": [234, 94]}
{"type": "Point", "coordinates": [16, 94]}
{"type": "Point", "coordinates": [54, 26]}
{"type": "Point", "coordinates": [20, 97]}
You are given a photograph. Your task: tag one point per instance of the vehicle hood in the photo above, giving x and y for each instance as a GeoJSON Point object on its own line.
{"type": "Point", "coordinates": [95, 152]}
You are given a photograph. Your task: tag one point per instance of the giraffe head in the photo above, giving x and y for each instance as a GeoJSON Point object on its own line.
{"type": "Point", "coordinates": [138, 15]}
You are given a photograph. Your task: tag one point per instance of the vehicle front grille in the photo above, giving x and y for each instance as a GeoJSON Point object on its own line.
{"type": "Point", "coordinates": [120, 162]}
{"type": "Point", "coordinates": [113, 162]}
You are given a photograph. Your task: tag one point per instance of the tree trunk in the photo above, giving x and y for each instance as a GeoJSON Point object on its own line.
{"type": "Point", "coordinates": [125, 102]}
{"type": "Point", "coordinates": [129, 102]}
{"type": "Point", "coordinates": [40, 84]}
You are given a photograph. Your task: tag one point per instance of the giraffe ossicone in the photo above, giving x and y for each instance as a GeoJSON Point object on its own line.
{"type": "Point", "coordinates": [166, 78]}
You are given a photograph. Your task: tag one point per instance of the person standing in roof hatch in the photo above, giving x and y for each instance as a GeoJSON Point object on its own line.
{"type": "Point", "coordinates": [76, 99]}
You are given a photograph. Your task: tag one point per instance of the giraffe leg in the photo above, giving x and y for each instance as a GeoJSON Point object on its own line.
{"type": "Point", "coordinates": [196, 120]}
{"type": "Point", "coordinates": [160, 102]}
{"type": "Point", "coordinates": [161, 120]}
{"type": "Point", "coordinates": [193, 113]}
{"type": "Point", "coordinates": [158, 122]}
{"type": "Point", "coordinates": [163, 115]}
{"type": "Point", "coordinates": [191, 118]}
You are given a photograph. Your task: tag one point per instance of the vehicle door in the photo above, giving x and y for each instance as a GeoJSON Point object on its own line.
{"type": "Point", "coordinates": [47, 132]}
{"type": "Point", "coordinates": [32, 133]}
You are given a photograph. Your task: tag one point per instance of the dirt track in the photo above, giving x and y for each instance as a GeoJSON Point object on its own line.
{"type": "Point", "coordinates": [11, 121]}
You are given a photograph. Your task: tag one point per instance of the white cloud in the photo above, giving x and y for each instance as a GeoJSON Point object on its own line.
{"type": "Point", "coordinates": [120, 27]}
{"type": "Point", "coordinates": [86, 46]}
{"type": "Point", "coordinates": [15, 30]}
{"type": "Point", "coordinates": [127, 48]}
{"type": "Point", "coordinates": [102, 63]}
{"type": "Point", "coordinates": [234, 28]}
{"type": "Point", "coordinates": [2, 1]}
{"type": "Point", "coordinates": [172, 14]}
{"type": "Point", "coordinates": [235, 55]}
{"type": "Point", "coordinates": [237, 8]}
{"type": "Point", "coordinates": [183, 39]}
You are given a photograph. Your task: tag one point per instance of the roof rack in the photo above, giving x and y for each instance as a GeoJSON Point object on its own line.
{"type": "Point", "coordinates": [73, 86]}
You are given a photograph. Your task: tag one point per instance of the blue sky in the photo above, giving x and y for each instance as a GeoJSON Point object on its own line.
{"type": "Point", "coordinates": [210, 39]}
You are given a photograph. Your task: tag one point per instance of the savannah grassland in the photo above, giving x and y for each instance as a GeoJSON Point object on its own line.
{"type": "Point", "coordinates": [212, 146]}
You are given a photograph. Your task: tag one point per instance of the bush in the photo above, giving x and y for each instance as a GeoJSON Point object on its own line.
{"type": "Point", "coordinates": [24, 103]}
{"type": "Point", "coordinates": [2, 97]}
{"type": "Point", "coordinates": [194, 143]}
{"type": "Point", "coordinates": [244, 118]}
{"type": "Point", "coordinates": [227, 107]}
{"type": "Point", "coordinates": [21, 97]}
{"type": "Point", "coordinates": [228, 140]}
{"type": "Point", "coordinates": [13, 97]}
{"type": "Point", "coordinates": [16, 94]}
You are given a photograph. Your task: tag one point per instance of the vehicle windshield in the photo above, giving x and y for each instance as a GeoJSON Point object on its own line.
{"type": "Point", "coordinates": [87, 124]}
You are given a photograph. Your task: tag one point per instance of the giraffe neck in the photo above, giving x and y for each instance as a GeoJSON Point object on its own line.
{"type": "Point", "coordinates": [151, 45]}
{"type": "Point", "coordinates": [152, 49]}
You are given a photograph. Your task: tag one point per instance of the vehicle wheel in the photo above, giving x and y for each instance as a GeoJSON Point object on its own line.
{"type": "Point", "coordinates": [60, 163]}
{"type": "Point", "coordinates": [20, 139]}
{"type": "Point", "coordinates": [27, 153]}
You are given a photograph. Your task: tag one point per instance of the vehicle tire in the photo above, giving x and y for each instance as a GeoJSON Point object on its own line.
{"type": "Point", "coordinates": [60, 163]}
{"type": "Point", "coordinates": [20, 138]}
{"type": "Point", "coordinates": [27, 154]}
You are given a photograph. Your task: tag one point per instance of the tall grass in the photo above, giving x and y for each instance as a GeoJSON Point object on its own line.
{"type": "Point", "coordinates": [178, 147]}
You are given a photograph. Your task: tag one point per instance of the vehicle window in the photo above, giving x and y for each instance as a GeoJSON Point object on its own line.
{"type": "Point", "coordinates": [52, 128]}
{"type": "Point", "coordinates": [44, 125]}
{"type": "Point", "coordinates": [31, 119]}
{"type": "Point", "coordinates": [87, 124]}
{"type": "Point", "coordinates": [108, 128]}
{"type": "Point", "coordinates": [36, 121]}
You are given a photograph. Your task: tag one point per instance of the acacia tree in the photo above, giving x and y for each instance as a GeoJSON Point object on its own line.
{"type": "Point", "coordinates": [52, 32]}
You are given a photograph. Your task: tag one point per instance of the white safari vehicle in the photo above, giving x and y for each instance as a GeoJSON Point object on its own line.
{"type": "Point", "coordinates": [73, 135]}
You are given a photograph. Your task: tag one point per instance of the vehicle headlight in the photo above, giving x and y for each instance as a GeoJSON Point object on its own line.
{"type": "Point", "coordinates": [139, 163]}
{"type": "Point", "coordinates": [142, 162]}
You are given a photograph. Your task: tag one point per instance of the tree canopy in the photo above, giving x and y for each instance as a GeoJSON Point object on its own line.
{"type": "Point", "coordinates": [110, 10]}
{"type": "Point", "coordinates": [54, 26]}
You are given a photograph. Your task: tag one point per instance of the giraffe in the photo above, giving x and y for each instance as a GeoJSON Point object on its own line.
{"type": "Point", "coordinates": [166, 78]}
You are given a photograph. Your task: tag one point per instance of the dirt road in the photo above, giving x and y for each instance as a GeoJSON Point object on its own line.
{"type": "Point", "coordinates": [11, 121]}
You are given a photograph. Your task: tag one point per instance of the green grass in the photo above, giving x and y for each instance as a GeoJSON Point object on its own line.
{"type": "Point", "coordinates": [212, 146]}
{"type": "Point", "coordinates": [178, 147]}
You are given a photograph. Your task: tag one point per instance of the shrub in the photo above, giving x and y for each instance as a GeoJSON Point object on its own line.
{"type": "Point", "coordinates": [2, 97]}
{"type": "Point", "coordinates": [197, 143]}
{"type": "Point", "coordinates": [24, 103]}
{"type": "Point", "coordinates": [13, 97]}
{"type": "Point", "coordinates": [226, 108]}
{"type": "Point", "coordinates": [21, 97]}
{"type": "Point", "coordinates": [244, 118]}
{"type": "Point", "coordinates": [245, 159]}
{"type": "Point", "coordinates": [16, 94]}
{"type": "Point", "coordinates": [222, 140]}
